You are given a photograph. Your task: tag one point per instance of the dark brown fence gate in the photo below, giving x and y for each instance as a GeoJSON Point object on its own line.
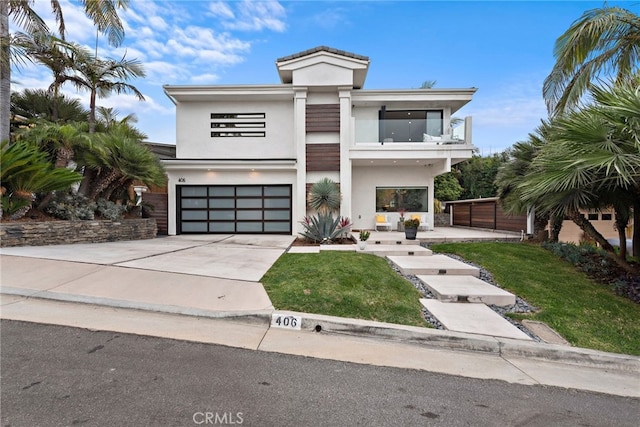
{"type": "Point", "coordinates": [160, 203]}
{"type": "Point", "coordinates": [485, 213]}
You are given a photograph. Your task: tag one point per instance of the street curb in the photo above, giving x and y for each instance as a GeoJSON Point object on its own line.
{"type": "Point", "coordinates": [317, 323]}
{"type": "Point", "coordinates": [255, 316]}
{"type": "Point", "coordinates": [501, 347]}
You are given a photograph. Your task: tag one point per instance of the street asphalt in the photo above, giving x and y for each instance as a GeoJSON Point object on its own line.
{"type": "Point", "coordinates": [206, 289]}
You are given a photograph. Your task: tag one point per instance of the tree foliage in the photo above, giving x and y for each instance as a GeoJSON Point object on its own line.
{"type": "Point", "coordinates": [447, 187]}
{"type": "Point", "coordinates": [477, 175]}
{"type": "Point", "coordinates": [603, 42]}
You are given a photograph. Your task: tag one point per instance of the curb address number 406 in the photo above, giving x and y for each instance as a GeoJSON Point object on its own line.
{"type": "Point", "coordinates": [287, 322]}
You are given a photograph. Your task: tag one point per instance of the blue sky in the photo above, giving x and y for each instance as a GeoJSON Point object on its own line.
{"type": "Point", "coordinates": [503, 48]}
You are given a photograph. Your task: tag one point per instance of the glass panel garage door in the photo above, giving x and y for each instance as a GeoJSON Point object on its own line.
{"type": "Point", "coordinates": [234, 209]}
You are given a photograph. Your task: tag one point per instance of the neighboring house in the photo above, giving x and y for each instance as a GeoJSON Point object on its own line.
{"type": "Point", "coordinates": [246, 155]}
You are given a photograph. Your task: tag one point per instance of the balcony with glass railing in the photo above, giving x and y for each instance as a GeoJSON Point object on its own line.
{"type": "Point", "coordinates": [424, 131]}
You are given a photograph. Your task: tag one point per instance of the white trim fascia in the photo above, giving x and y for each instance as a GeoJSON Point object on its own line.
{"type": "Point", "coordinates": [411, 94]}
{"type": "Point", "coordinates": [220, 92]}
{"type": "Point", "coordinates": [197, 164]}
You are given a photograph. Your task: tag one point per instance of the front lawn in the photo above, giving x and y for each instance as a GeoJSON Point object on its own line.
{"type": "Point", "coordinates": [344, 284]}
{"type": "Point", "coordinates": [585, 313]}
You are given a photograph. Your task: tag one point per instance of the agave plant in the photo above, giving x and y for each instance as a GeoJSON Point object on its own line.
{"type": "Point", "coordinates": [322, 228]}
{"type": "Point", "coordinates": [324, 196]}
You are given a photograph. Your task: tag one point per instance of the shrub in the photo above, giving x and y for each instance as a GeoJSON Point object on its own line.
{"type": "Point", "coordinates": [109, 210]}
{"type": "Point", "coordinates": [71, 206]}
{"type": "Point", "coordinates": [598, 265]}
{"type": "Point", "coordinates": [412, 223]}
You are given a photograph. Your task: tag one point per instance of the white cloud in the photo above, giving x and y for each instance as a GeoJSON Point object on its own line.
{"type": "Point", "coordinates": [331, 18]}
{"type": "Point", "coordinates": [251, 15]}
{"type": "Point", "coordinates": [205, 78]}
{"type": "Point", "coordinates": [161, 72]}
{"type": "Point", "coordinates": [221, 10]}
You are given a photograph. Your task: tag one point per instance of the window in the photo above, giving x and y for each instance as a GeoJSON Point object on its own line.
{"type": "Point", "coordinates": [411, 199]}
{"type": "Point", "coordinates": [237, 125]}
{"type": "Point", "coordinates": [409, 125]}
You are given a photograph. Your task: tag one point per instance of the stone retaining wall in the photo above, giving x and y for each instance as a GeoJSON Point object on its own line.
{"type": "Point", "coordinates": [63, 232]}
{"type": "Point", "coordinates": [441, 220]}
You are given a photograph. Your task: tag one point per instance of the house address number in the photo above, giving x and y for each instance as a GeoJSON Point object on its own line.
{"type": "Point", "coordinates": [286, 322]}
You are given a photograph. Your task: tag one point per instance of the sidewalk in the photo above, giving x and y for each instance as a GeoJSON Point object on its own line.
{"type": "Point", "coordinates": [146, 288]}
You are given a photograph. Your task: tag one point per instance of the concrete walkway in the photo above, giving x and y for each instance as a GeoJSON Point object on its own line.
{"type": "Point", "coordinates": [206, 289]}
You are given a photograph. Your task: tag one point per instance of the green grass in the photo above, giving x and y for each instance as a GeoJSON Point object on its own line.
{"type": "Point", "coordinates": [584, 313]}
{"type": "Point", "coordinates": [344, 284]}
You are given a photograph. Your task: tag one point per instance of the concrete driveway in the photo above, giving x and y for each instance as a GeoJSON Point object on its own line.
{"type": "Point", "coordinates": [183, 274]}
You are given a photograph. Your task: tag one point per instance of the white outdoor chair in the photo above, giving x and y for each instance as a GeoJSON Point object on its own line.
{"type": "Point", "coordinates": [382, 221]}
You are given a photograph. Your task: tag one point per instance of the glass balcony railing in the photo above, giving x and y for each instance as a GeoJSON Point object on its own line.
{"type": "Point", "coordinates": [410, 131]}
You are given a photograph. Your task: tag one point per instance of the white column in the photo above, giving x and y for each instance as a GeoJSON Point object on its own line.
{"type": "Point", "coordinates": [300, 139]}
{"type": "Point", "coordinates": [345, 144]}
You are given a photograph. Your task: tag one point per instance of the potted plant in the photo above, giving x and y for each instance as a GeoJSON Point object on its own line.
{"type": "Point", "coordinates": [411, 228]}
{"type": "Point", "coordinates": [362, 242]}
{"type": "Point", "coordinates": [401, 211]}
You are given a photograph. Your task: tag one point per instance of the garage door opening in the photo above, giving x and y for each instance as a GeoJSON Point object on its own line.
{"type": "Point", "coordinates": [238, 209]}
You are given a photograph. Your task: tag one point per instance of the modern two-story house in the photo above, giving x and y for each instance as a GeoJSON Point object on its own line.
{"type": "Point", "coordinates": [247, 155]}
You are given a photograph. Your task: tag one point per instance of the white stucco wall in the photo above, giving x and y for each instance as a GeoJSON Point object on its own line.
{"type": "Point", "coordinates": [323, 74]}
{"type": "Point", "coordinates": [365, 181]}
{"type": "Point", "coordinates": [194, 139]}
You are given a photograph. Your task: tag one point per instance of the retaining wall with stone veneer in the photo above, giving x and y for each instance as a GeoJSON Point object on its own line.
{"type": "Point", "coordinates": [441, 220]}
{"type": "Point", "coordinates": [64, 232]}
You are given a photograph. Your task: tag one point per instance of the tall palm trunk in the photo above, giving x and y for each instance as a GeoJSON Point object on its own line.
{"type": "Point", "coordinates": [103, 183]}
{"type": "Point", "coordinates": [92, 112]}
{"type": "Point", "coordinates": [5, 73]}
{"type": "Point", "coordinates": [636, 228]}
{"type": "Point", "coordinates": [621, 227]}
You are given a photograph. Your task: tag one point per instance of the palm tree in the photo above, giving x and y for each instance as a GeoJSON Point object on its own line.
{"type": "Point", "coordinates": [56, 55]}
{"type": "Point", "coordinates": [591, 162]}
{"type": "Point", "coordinates": [121, 160]}
{"type": "Point", "coordinates": [511, 174]}
{"type": "Point", "coordinates": [60, 140]}
{"type": "Point", "coordinates": [103, 13]}
{"type": "Point", "coordinates": [107, 120]}
{"type": "Point", "coordinates": [38, 104]}
{"type": "Point", "coordinates": [601, 41]}
{"type": "Point", "coordinates": [26, 171]}
{"type": "Point", "coordinates": [102, 77]}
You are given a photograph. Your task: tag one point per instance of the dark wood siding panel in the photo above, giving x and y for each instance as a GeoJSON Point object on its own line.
{"type": "Point", "coordinates": [323, 157]}
{"type": "Point", "coordinates": [160, 203]}
{"type": "Point", "coordinates": [483, 215]}
{"type": "Point", "coordinates": [323, 118]}
{"type": "Point", "coordinates": [462, 214]}
{"type": "Point", "coordinates": [507, 222]}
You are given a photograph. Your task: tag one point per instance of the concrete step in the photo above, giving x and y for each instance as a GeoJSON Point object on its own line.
{"type": "Point", "coordinates": [382, 240]}
{"type": "Point", "coordinates": [472, 318]}
{"type": "Point", "coordinates": [433, 265]}
{"type": "Point", "coordinates": [397, 250]}
{"type": "Point", "coordinates": [466, 289]}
